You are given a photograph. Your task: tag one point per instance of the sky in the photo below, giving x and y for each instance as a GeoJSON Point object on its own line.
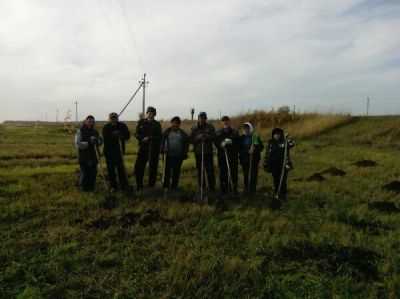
{"type": "Point", "coordinates": [223, 57]}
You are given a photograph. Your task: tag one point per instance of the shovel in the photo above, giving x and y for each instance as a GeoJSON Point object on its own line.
{"type": "Point", "coordinates": [285, 159]}
{"type": "Point", "coordinates": [199, 197]}
{"type": "Point", "coordinates": [230, 182]}
{"type": "Point", "coordinates": [110, 200]}
{"type": "Point", "coordinates": [129, 191]}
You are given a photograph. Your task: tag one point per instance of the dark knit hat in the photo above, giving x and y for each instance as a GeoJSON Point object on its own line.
{"type": "Point", "coordinates": [225, 118]}
{"type": "Point", "coordinates": [176, 118]}
{"type": "Point", "coordinates": [277, 131]}
{"type": "Point", "coordinates": [203, 114]}
{"type": "Point", "coordinates": [113, 115]}
{"type": "Point", "coordinates": [151, 109]}
{"type": "Point", "coordinates": [89, 117]}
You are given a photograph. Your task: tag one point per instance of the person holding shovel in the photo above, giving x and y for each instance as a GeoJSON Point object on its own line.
{"type": "Point", "coordinates": [227, 143]}
{"type": "Point", "coordinates": [174, 146]}
{"type": "Point", "coordinates": [277, 162]}
{"type": "Point", "coordinates": [115, 133]}
{"type": "Point", "coordinates": [250, 150]}
{"type": "Point", "coordinates": [202, 137]}
{"type": "Point", "coordinates": [148, 134]}
{"type": "Point", "coordinates": [87, 141]}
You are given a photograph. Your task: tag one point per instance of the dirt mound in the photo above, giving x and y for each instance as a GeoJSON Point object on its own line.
{"type": "Point", "coordinates": [334, 259]}
{"type": "Point", "coordinates": [316, 177]}
{"type": "Point", "coordinates": [145, 219]}
{"type": "Point", "coordinates": [333, 171]}
{"type": "Point", "coordinates": [365, 163]}
{"type": "Point", "coordinates": [384, 206]}
{"type": "Point", "coordinates": [102, 222]}
{"type": "Point", "coordinates": [392, 186]}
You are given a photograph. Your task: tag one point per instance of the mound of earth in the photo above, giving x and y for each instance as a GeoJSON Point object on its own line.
{"type": "Point", "coordinates": [392, 186]}
{"type": "Point", "coordinates": [334, 171]}
{"type": "Point", "coordinates": [365, 163]}
{"type": "Point", "coordinates": [145, 219]}
{"type": "Point", "coordinates": [316, 177]}
{"type": "Point", "coordinates": [384, 206]}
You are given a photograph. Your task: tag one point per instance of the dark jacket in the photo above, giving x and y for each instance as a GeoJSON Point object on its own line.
{"type": "Point", "coordinates": [185, 142]}
{"type": "Point", "coordinates": [86, 149]}
{"type": "Point", "coordinates": [152, 130]}
{"type": "Point", "coordinates": [209, 131]}
{"type": "Point", "coordinates": [111, 138]}
{"type": "Point", "coordinates": [233, 149]}
{"type": "Point", "coordinates": [275, 153]}
{"type": "Point", "coordinates": [244, 155]}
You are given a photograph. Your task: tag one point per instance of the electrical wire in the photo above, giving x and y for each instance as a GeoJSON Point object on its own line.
{"type": "Point", "coordinates": [131, 33]}
{"type": "Point", "coordinates": [115, 35]}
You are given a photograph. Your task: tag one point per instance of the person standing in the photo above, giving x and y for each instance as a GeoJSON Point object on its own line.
{"type": "Point", "coordinates": [274, 159]}
{"type": "Point", "coordinates": [251, 147]}
{"type": "Point", "coordinates": [202, 137]}
{"type": "Point", "coordinates": [227, 140]}
{"type": "Point", "coordinates": [148, 134]}
{"type": "Point", "coordinates": [174, 145]}
{"type": "Point", "coordinates": [87, 141]}
{"type": "Point", "coordinates": [115, 133]}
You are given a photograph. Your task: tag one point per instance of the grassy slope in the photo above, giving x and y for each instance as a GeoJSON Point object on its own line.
{"type": "Point", "coordinates": [324, 241]}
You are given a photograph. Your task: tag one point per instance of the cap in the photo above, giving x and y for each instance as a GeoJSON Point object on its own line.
{"type": "Point", "coordinates": [225, 118]}
{"type": "Point", "coordinates": [113, 115]}
{"type": "Point", "coordinates": [203, 114]}
{"type": "Point", "coordinates": [176, 118]}
{"type": "Point", "coordinates": [151, 109]}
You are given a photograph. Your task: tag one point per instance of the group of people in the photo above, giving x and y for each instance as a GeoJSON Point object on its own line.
{"type": "Point", "coordinates": [232, 149]}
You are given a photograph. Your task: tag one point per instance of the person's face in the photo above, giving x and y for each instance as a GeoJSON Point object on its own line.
{"type": "Point", "coordinates": [202, 120]}
{"type": "Point", "coordinates": [114, 120]}
{"type": "Point", "coordinates": [90, 123]}
{"type": "Point", "coordinates": [277, 136]}
{"type": "Point", "coordinates": [226, 124]}
{"type": "Point", "coordinates": [175, 125]}
{"type": "Point", "coordinates": [150, 115]}
{"type": "Point", "coordinates": [246, 130]}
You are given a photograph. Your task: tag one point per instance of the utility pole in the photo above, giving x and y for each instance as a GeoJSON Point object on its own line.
{"type": "Point", "coordinates": [367, 106]}
{"type": "Point", "coordinates": [57, 116]}
{"type": "Point", "coordinates": [76, 111]}
{"type": "Point", "coordinates": [144, 82]}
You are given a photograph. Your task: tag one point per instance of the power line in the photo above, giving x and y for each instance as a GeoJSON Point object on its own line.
{"type": "Point", "coordinates": [115, 35]}
{"type": "Point", "coordinates": [131, 33]}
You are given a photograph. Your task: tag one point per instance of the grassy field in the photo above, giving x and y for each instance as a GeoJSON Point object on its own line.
{"type": "Point", "coordinates": [336, 236]}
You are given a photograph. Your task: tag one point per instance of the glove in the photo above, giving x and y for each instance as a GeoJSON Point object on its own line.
{"type": "Point", "coordinates": [228, 141]}
{"type": "Point", "coordinates": [93, 139]}
{"type": "Point", "coordinates": [117, 134]}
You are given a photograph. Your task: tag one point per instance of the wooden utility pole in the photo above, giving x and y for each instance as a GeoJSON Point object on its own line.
{"type": "Point", "coordinates": [367, 106]}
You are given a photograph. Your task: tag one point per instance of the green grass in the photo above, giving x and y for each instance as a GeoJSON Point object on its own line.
{"type": "Point", "coordinates": [325, 241]}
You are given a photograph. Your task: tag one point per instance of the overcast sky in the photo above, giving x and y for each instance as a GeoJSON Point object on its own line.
{"type": "Point", "coordinates": [222, 56]}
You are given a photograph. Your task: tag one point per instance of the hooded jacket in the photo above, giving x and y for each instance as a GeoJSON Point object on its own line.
{"type": "Point", "coordinates": [246, 141]}
{"type": "Point", "coordinates": [275, 151]}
